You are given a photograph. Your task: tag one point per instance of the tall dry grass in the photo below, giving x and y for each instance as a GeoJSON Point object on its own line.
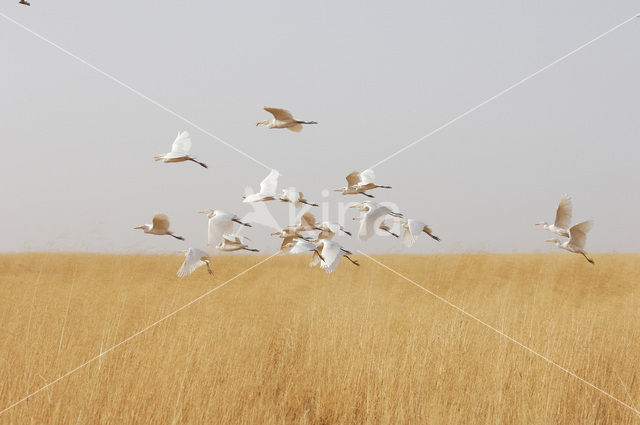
{"type": "Point", "coordinates": [288, 344]}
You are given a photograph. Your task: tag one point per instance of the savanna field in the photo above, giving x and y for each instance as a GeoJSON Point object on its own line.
{"type": "Point", "coordinates": [285, 343]}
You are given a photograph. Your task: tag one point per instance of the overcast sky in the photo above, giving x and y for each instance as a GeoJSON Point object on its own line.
{"type": "Point", "coordinates": [77, 172]}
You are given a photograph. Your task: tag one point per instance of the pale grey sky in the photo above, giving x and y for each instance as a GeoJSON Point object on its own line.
{"type": "Point", "coordinates": [78, 172]}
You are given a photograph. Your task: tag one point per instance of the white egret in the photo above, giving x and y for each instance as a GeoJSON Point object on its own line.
{"type": "Point", "coordinates": [268, 188]}
{"type": "Point", "coordinates": [289, 235]}
{"type": "Point", "coordinates": [371, 213]}
{"type": "Point", "coordinates": [179, 151]}
{"type": "Point", "coordinates": [232, 243]}
{"type": "Point", "coordinates": [194, 258]}
{"type": "Point", "coordinates": [295, 198]}
{"type": "Point", "coordinates": [412, 229]}
{"type": "Point", "coordinates": [299, 246]}
{"type": "Point", "coordinates": [563, 218]}
{"type": "Point", "coordinates": [577, 239]}
{"type": "Point", "coordinates": [283, 119]}
{"type": "Point", "coordinates": [160, 226]}
{"type": "Point", "coordinates": [331, 252]}
{"type": "Point", "coordinates": [220, 223]}
{"type": "Point", "coordinates": [360, 182]}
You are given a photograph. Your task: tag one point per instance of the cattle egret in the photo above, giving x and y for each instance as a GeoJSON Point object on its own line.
{"type": "Point", "coordinates": [220, 223]}
{"type": "Point", "coordinates": [289, 235]}
{"type": "Point", "coordinates": [179, 151]}
{"type": "Point", "coordinates": [563, 218]}
{"type": "Point", "coordinates": [194, 258]}
{"type": "Point", "coordinates": [160, 226]}
{"type": "Point", "coordinates": [283, 119]}
{"type": "Point", "coordinates": [268, 188]}
{"type": "Point", "coordinates": [371, 213]}
{"type": "Point", "coordinates": [300, 246]}
{"type": "Point", "coordinates": [359, 183]}
{"type": "Point", "coordinates": [232, 243]}
{"type": "Point", "coordinates": [331, 252]}
{"type": "Point", "coordinates": [577, 239]}
{"type": "Point", "coordinates": [412, 229]}
{"type": "Point", "coordinates": [295, 198]}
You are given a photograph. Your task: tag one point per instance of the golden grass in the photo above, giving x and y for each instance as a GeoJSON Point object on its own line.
{"type": "Point", "coordinates": [288, 344]}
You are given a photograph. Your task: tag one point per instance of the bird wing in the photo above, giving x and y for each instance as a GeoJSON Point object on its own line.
{"type": "Point", "coordinates": [578, 233]}
{"type": "Point", "coordinates": [291, 195]}
{"type": "Point", "coordinates": [161, 221]}
{"type": "Point", "coordinates": [295, 128]}
{"type": "Point", "coordinates": [415, 227]}
{"type": "Point", "coordinates": [270, 183]}
{"type": "Point", "coordinates": [353, 178]}
{"type": "Point", "coordinates": [367, 176]}
{"type": "Point", "coordinates": [182, 144]}
{"type": "Point", "coordinates": [280, 114]}
{"type": "Point", "coordinates": [563, 213]}
{"type": "Point", "coordinates": [192, 261]}
{"type": "Point", "coordinates": [308, 220]}
{"type": "Point", "coordinates": [219, 224]}
{"type": "Point", "coordinates": [302, 246]}
{"type": "Point", "coordinates": [334, 227]}
{"type": "Point", "coordinates": [331, 252]}
{"type": "Point", "coordinates": [412, 229]}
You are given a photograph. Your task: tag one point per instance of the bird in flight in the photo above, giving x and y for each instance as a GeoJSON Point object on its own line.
{"type": "Point", "coordinates": [180, 151]}
{"type": "Point", "coordinates": [194, 258]}
{"type": "Point", "coordinates": [283, 119]}
{"type": "Point", "coordinates": [268, 188]}
{"type": "Point", "coordinates": [296, 198]}
{"type": "Point", "coordinates": [371, 213]}
{"type": "Point", "coordinates": [232, 243]}
{"type": "Point", "coordinates": [412, 229]}
{"type": "Point", "coordinates": [160, 226]}
{"type": "Point", "coordinates": [577, 239]}
{"type": "Point", "coordinates": [360, 182]}
{"type": "Point", "coordinates": [220, 223]}
{"type": "Point", "coordinates": [563, 218]}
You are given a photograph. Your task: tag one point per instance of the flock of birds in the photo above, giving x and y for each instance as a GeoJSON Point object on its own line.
{"type": "Point", "coordinates": [311, 236]}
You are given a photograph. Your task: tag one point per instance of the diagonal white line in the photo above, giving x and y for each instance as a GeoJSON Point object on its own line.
{"type": "Point", "coordinates": [129, 338]}
{"type": "Point", "coordinates": [508, 89]}
{"type": "Point", "coordinates": [501, 333]}
{"type": "Point", "coordinates": [131, 89]}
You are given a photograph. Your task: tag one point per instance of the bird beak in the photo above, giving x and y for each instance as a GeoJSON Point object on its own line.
{"type": "Point", "coordinates": [139, 227]}
{"type": "Point", "coordinates": [275, 233]}
{"type": "Point", "coordinates": [550, 240]}
{"type": "Point", "coordinates": [203, 212]}
{"type": "Point", "coordinates": [540, 223]}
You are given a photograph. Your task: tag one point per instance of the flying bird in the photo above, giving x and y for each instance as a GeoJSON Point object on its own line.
{"type": "Point", "coordinates": [371, 213]}
{"type": "Point", "coordinates": [220, 223]}
{"type": "Point", "coordinates": [412, 229]}
{"type": "Point", "coordinates": [289, 235]}
{"type": "Point", "coordinates": [194, 258]}
{"type": "Point", "coordinates": [283, 119]}
{"type": "Point", "coordinates": [300, 246]}
{"type": "Point", "coordinates": [360, 182]}
{"type": "Point", "coordinates": [563, 218]}
{"type": "Point", "coordinates": [268, 188]}
{"type": "Point", "coordinates": [295, 198]}
{"type": "Point", "coordinates": [331, 252]}
{"type": "Point", "coordinates": [179, 151]}
{"type": "Point", "coordinates": [232, 243]}
{"type": "Point", "coordinates": [577, 239]}
{"type": "Point", "coordinates": [160, 226]}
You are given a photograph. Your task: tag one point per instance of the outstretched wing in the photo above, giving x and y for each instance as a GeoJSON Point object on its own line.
{"type": "Point", "coordinates": [192, 261]}
{"type": "Point", "coordinates": [563, 213]}
{"type": "Point", "coordinates": [280, 114]}
{"type": "Point", "coordinates": [182, 144]}
{"type": "Point", "coordinates": [332, 253]}
{"type": "Point", "coordinates": [295, 128]}
{"type": "Point", "coordinates": [219, 224]}
{"type": "Point", "coordinates": [302, 246]}
{"type": "Point", "coordinates": [353, 178]}
{"type": "Point", "coordinates": [578, 233]}
{"type": "Point", "coordinates": [367, 176]}
{"type": "Point", "coordinates": [308, 220]}
{"type": "Point", "coordinates": [161, 221]}
{"type": "Point", "coordinates": [269, 185]}
{"type": "Point", "coordinates": [412, 229]}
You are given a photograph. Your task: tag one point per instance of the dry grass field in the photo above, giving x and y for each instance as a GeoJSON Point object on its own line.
{"type": "Point", "coordinates": [287, 344]}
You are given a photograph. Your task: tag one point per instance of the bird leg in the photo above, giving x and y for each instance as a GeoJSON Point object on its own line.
{"type": "Point", "coordinates": [384, 187]}
{"type": "Point", "coordinates": [306, 122]}
{"type": "Point", "coordinates": [309, 203]}
{"type": "Point", "coordinates": [355, 262]}
{"type": "Point", "coordinates": [588, 259]}
{"type": "Point", "coordinates": [367, 195]}
{"type": "Point", "coordinates": [199, 163]}
{"type": "Point", "coordinates": [391, 233]}
{"type": "Point", "coordinates": [319, 255]}
{"type": "Point", "coordinates": [433, 236]}
{"type": "Point", "coordinates": [177, 237]}
{"type": "Point", "coordinates": [395, 214]}
{"type": "Point", "coordinates": [348, 233]}
{"type": "Point", "coordinates": [242, 223]}
{"type": "Point", "coordinates": [251, 249]}
{"type": "Point", "coordinates": [209, 268]}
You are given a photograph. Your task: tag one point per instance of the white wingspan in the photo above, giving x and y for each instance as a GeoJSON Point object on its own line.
{"type": "Point", "coordinates": [182, 145]}
{"type": "Point", "coordinates": [577, 239]}
{"type": "Point", "coordinates": [367, 176]}
{"type": "Point", "coordinates": [194, 258]}
{"type": "Point", "coordinates": [412, 230]}
{"type": "Point", "coordinates": [268, 188]}
{"type": "Point", "coordinates": [302, 246]}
